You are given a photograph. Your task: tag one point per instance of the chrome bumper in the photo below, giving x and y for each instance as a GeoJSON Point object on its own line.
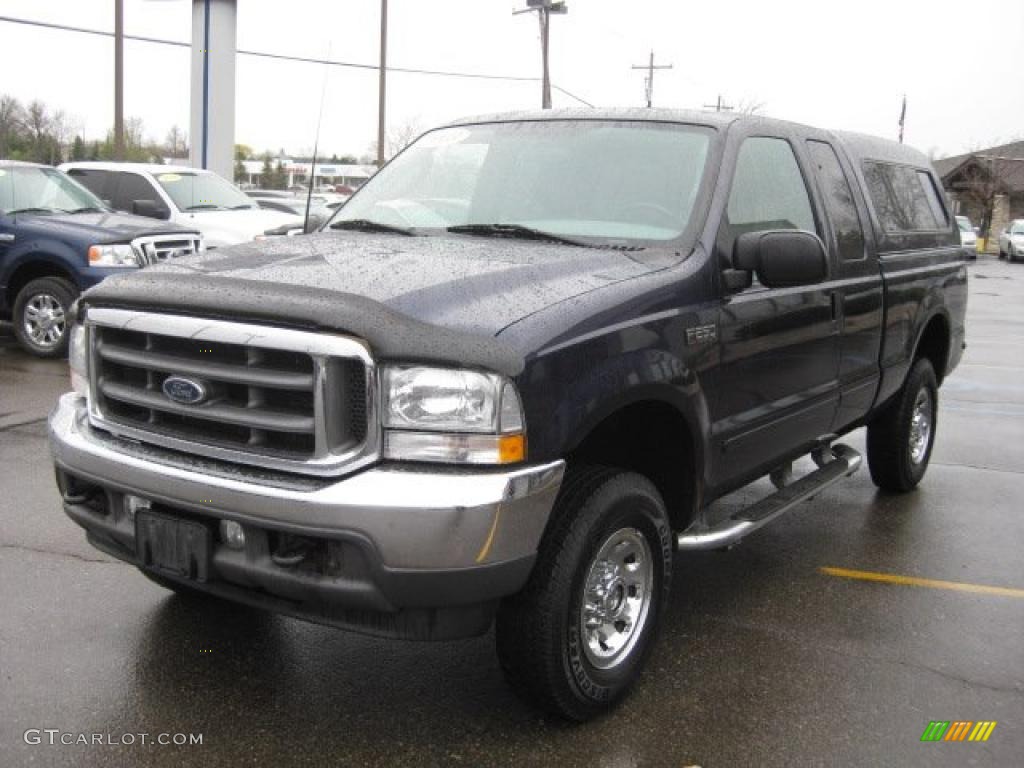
{"type": "Point", "coordinates": [413, 518]}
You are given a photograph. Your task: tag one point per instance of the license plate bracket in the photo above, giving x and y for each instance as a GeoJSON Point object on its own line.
{"type": "Point", "coordinates": [173, 546]}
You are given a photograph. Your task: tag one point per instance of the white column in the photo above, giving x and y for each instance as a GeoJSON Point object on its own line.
{"type": "Point", "coordinates": [212, 124]}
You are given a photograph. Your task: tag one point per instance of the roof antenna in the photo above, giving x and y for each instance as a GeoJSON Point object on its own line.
{"type": "Point", "coordinates": [316, 141]}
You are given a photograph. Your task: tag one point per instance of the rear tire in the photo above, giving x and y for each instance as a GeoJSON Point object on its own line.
{"type": "Point", "coordinates": [41, 314]}
{"type": "Point", "coordinates": [574, 640]}
{"type": "Point", "coordinates": [900, 438]}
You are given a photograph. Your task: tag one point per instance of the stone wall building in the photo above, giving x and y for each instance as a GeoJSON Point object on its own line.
{"type": "Point", "coordinates": [987, 186]}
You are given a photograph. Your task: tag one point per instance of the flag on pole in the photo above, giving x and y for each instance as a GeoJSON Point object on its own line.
{"type": "Point", "coordinates": [903, 116]}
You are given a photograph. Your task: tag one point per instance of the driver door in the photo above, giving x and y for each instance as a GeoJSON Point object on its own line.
{"type": "Point", "coordinates": [777, 381]}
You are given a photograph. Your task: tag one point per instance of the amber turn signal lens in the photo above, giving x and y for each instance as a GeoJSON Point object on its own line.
{"type": "Point", "coordinates": [511, 448]}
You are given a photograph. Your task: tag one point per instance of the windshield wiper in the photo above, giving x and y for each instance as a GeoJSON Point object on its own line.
{"type": "Point", "coordinates": [204, 207]}
{"type": "Point", "coordinates": [243, 207]}
{"type": "Point", "coordinates": [88, 209]}
{"type": "Point", "coordinates": [514, 231]}
{"type": "Point", "coordinates": [35, 210]}
{"type": "Point", "coordinates": [368, 225]}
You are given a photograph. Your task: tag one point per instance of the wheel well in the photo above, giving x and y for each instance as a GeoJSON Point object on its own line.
{"type": "Point", "coordinates": [26, 273]}
{"type": "Point", "coordinates": [653, 439]}
{"type": "Point", "coordinates": [934, 345]}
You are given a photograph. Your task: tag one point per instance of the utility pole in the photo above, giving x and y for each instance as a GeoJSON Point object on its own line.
{"type": "Point", "coordinates": [119, 79]}
{"type": "Point", "coordinates": [382, 99]}
{"type": "Point", "coordinates": [719, 106]}
{"type": "Point", "coordinates": [649, 80]}
{"type": "Point", "coordinates": [544, 9]}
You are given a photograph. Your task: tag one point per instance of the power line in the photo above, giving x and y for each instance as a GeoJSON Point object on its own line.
{"type": "Point", "coordinates": [288, 57]}
{"type": "Point", "coordinates": [650, 66]}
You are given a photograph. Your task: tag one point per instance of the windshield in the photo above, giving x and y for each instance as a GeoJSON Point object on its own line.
{"type": "Point", "coordinates": [38, 190]}
{"type": "Point", "coordinates": [609, 182]}
{"type": "Point", "coordinates": [964, 224]}
{"type": "Point", "coordinates": [1017, 228]}
{"type": "Point", "coordinates": [203, 191]}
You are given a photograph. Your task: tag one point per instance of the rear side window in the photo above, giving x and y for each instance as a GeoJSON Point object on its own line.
{"type": "Point", "coordinates": [96, 181]}
{"type": "Point", "coordinates": [905, 198]}
{"type": "Point", "coordinates": [839, 202]}
{"type": "Point", "coordinates": [131, 188]}
{"type": "Point", "coordinates": [768, 192]}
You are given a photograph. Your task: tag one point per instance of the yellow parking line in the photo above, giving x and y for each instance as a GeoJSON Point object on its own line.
{"type": "Point", "coordinates": [913, 581]}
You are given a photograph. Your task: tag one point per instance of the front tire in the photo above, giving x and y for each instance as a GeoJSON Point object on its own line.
{"type": "Point", "coordinates": [901, 437]}
{"type": "Point", "coordinates": [574, 640]}
{"type": "Point", "coordinates": [41, 312]}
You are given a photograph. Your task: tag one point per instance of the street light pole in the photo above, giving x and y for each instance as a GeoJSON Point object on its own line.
{"type": "Point", "coordinates": [119, 79]}
{"type": "Point", "coordinates": [382, 98]}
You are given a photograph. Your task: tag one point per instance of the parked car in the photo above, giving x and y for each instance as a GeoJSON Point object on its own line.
{"type": "Point", "coordinates": [56, 240]}
{"type": "Point", "coordinates": [1011, 240]}
{"type": "Point", "coordinates": [285, 202]}
{"type": "Point", "coordinates": [968, 236]}
{"type": "Point", "coordinates": [509, 378]}
{"type": "Point", "coordinates": [188, 197]}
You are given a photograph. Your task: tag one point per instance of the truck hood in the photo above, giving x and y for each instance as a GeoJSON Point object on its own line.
{"type": "Point", "coordinates": [473, 284]}
{"type": "Point", "coordinates": [222, 228]}
{"type": "Point", "coordinates": [103, 227]}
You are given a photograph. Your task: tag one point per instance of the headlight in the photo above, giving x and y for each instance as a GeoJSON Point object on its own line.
{"type": "Point", "coordinates": [448, 415]}
{"type": "Point", "coordinates": [78, 359]}
{"type": "Point", "coordinates": [120, 255]}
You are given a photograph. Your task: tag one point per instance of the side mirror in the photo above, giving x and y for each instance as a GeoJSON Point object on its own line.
{"type": "Point", "coordinates": [150, 208]}
{"type": "Point", "coordinates": [782, 257]}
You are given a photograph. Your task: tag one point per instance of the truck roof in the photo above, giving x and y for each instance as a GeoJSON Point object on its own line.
{"type": "Point", "coordinates": [143, 167]}
{"type": "Point", "coordinates": [861, 146]}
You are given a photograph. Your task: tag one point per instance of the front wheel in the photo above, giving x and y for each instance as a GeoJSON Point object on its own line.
{"type": "Point", "coordinates": [41, 316]}
{"type": "Point", "coordinates": [900, 438]}
{"type": "Point", "coordinates": [574, 640]}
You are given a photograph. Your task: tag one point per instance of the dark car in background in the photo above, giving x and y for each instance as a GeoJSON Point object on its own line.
{"type": "Point", "coordinates": [56, 240]}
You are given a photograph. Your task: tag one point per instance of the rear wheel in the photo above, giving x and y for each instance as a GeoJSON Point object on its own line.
{"type": "Point", "coordinates": [900, 438]}
{"type": "Point", "coordinates": [574, 640]}
{"type": "Point", "coordinates": [41, 316]}
{"type": "Point", "coordinates": [1011, 254]}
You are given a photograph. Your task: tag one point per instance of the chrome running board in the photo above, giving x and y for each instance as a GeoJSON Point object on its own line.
{"type": "Point", "coordinates": [834, 464]}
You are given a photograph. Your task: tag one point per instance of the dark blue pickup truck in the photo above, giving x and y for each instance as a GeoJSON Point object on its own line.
{"type": "Point", "coordinates": [56, 240]}
{"type": "Point", "coordinates": [506, 383]}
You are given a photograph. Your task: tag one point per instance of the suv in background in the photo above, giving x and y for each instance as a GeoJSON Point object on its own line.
{"type": "Point", "coordinates": [186, 196]}
{"type": "Point", "coordinates": [56, 240]}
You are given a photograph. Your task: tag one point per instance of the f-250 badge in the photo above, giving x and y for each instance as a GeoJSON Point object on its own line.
{"type": "Point", "coordinates": [701, 334]}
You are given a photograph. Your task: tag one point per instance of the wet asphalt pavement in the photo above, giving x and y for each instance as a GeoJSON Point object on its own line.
{"type": "Point", "coordinates": [763, 659]}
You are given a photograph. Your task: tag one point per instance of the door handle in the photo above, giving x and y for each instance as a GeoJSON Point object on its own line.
{"type": "Point", "coordinates": [6, 237]}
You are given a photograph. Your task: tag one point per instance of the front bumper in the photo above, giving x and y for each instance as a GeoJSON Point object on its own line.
{"type": "Point", "coordinates": [414, 552]}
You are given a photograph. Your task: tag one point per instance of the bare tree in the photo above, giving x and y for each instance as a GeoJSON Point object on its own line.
{"type": "Point", "coordinates": [37, 123]}
{"type": "Point", "coordinates": [979, 185]}
{"type": "Point", "coordinates": [399, 138]}
{"type": "Point", "coordinates": [176, 143]}
{"type": "Point", "coordinates": [12, 119]}
{"type": "Point", "coordinates": [750, 107]}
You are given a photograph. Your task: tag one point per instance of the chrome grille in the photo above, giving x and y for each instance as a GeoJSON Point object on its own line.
{"type": "Point", "coordinates": [274, 397]}
{"type": "Point", "coordinates": [159, 248]}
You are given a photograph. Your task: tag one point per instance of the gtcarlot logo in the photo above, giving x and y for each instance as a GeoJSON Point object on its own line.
{"type": "Point", "coordinates": [55, 736]}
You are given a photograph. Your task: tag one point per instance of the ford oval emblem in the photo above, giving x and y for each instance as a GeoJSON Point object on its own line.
{"type": "Point", "coordinates": [184, 391]}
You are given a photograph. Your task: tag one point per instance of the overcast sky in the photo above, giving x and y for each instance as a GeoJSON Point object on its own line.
{"type": "Point", "coordinates": [831, 64]}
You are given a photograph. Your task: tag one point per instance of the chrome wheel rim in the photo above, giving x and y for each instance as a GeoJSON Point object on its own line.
{"type": "Point", "coordinates": [44, 320]}
{"type": "Point", "coordinates": [616, 598]}
{"type": "Point", "coordinates": [920, 426]}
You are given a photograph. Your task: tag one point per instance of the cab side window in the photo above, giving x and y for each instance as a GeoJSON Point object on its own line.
{"type": "Point", "coordinates": [100, 183]}
{"type": "Point", "coordinates": [904, 198]}
{"type": "Point", "coordinates": [768, 192]}
{"type": "Point", "coordinates": [133, 188]}
{"type": "Point", "coordinates": [839, 202]}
